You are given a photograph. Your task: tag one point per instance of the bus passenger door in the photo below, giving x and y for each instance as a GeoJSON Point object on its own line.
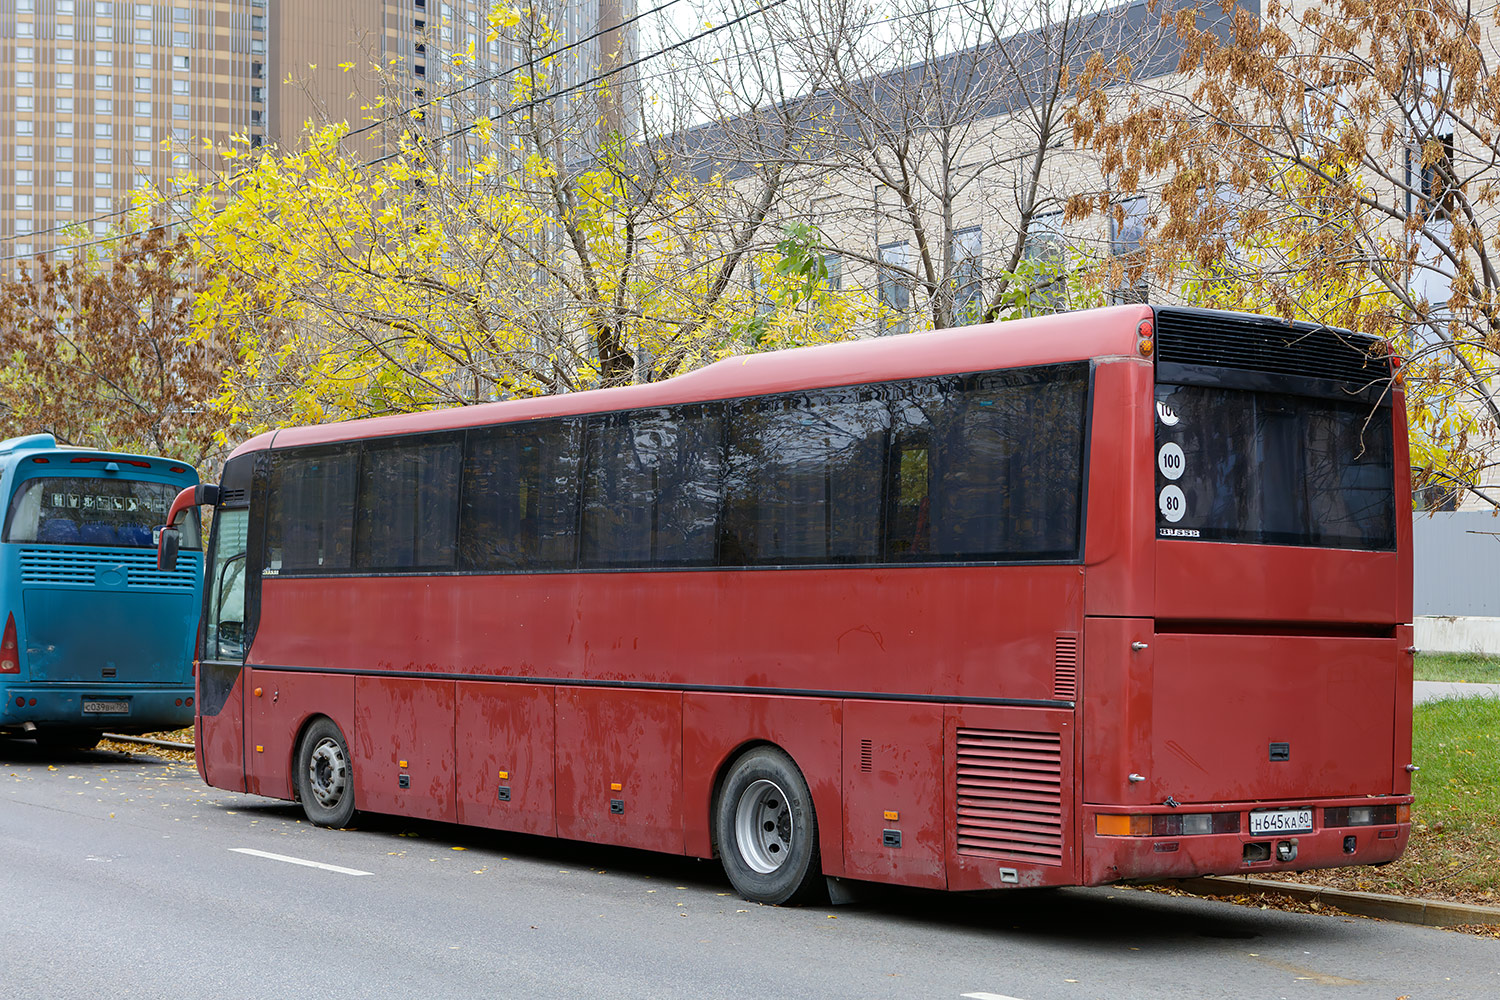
{"type": "Point", "coordinates": [220, 732]}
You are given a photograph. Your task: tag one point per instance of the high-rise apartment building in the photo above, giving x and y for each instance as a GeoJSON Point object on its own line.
{"type": "Point", "coordinates": [101, 97]}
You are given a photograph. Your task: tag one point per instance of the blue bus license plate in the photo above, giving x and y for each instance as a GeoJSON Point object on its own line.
{"type": "Point", "coordinates": [106, 708]}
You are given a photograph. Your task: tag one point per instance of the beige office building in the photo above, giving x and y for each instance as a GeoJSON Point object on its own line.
{"type": "Point", "coordinates": [102, 97]}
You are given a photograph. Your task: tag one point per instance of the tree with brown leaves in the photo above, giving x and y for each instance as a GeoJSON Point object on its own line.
{"type": "Point", "coordinates": [101, 351]}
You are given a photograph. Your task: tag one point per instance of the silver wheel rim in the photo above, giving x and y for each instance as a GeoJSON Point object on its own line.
{"type": "Point", "coordinates": [328, 772]}
{"type": "Point", "coordinates": [763, 826]}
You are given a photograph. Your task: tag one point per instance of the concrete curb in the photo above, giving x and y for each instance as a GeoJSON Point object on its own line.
{"type": "Point", "coordinates": [1430, 913]}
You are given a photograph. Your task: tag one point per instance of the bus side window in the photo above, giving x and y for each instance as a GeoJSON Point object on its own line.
{"type": "Point", "coordinates": [225, 635]}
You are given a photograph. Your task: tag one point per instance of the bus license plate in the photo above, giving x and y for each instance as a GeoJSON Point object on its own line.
{"type": "Point", "coordinates": [106, 708]}
{"type": "Point", "coordinates": [1281, 821]}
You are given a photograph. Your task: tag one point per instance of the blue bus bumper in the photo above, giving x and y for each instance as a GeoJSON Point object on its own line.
{"type": "Point", "coordinates": [147, 710]}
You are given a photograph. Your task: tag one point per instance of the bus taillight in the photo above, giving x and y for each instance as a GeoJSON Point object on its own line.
{"type": "Point", "coordinates": [10, 663]}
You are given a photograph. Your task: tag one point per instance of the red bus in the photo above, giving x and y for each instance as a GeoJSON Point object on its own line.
{"type": "Point", "coordinates": [1121, 594]}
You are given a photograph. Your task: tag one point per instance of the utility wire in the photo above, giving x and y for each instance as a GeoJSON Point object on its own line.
{"type": "Point", "coordinates": [529, 64]}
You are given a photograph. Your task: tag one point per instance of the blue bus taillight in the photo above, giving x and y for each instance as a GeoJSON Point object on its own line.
{"type": "Point", "coordinates": [10, 663]}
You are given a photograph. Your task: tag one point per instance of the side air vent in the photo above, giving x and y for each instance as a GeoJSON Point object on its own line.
{"type": "Point", "coordinates": [866, 755]}
{"type": "Point", "coordinates": [77, 566]}
{"type": "Point", "coordinates": [1263, 344]}
{"type": "Point", "coordinates": [1009, 795]}
{"type": "Point", "coordinates": [1065, 668]}
{"type": "Point", "coordinates": [231, 497]}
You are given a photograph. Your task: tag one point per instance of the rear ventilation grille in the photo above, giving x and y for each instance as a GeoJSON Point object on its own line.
{"type": "Point", "coordinates": [77, 566]}
{"type": "Point", "coordinates": [866, 755]}
{"type": "Point", "coordinates": [1010, 795]}
{"type": "Point", "coordinates": [1260, 344]}
{"type": "Point", "coordinates": [1065, 668]}
{"type": "Point", "coordinates": [227, 497]}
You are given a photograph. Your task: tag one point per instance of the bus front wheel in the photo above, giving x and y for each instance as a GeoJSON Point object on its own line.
{"type": "Point", "coordinates": [767, 830]}
{"type": "Point", "coordinates": [325, 778]}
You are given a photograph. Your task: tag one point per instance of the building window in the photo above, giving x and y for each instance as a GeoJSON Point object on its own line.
{"type": "Point", "coordinates": [258, 94]}
{"type": "Point", "coordinates": [63, 154]}
{"type": "Point", "coordinates": [24, 126]}
{"type": "Point", "coordinates": [104, 154]}
{"type": "Point", "coordinates": [142, 157]}
{"type": "Point", "coordinates": [23, 227]}
{"type": "Point", "coordinates": [143, 36]}
{"type": "Point", "coordinates": [62, 202]}
{"type": "Point", "coordinates": [143, 85]}
{"type": "Point", "coordinates": [104, 8]}
{"type": "Point", "coordinates": [104, 81]}
{"type": "Point", "coordinates": [104, 130]}
{"type": "Point", "coordinates": [24, 151]}
{"type": "Point", "coordinates": [181, 111]}
{"type": "Point", "coordinates": [63, 128]}
{"type": "Point", "coordinates": [104, 57]}
{"type": "Point", "coordinates": [64, 55]}
{"type": "Point", "coordinates": [180, 63]}
{"type": "Point", "coordinates": [182, 39]}
{"type": "Point", "coordinates": [25, 78]}
{"type": "Point", "coordinates": [103, 204]}
{"type": "Point", "coordinates": [143, 109]}
{"type": "Point", "coordinates": [63, 81]}
{"type": "Point", "coordinates": [1046, 254]}
{"type": "Point", "coordinates": [104, 33]}
{"type": "Point", "coordinates": [24, 202]}
{"type": "Point", "coordinates": [64, 30]}
{"type": "Point", "coordinates": [892, 290]}
{"type": "Point", "coordinates": [143, 60]}
{"type": "Point", "coordinates": [182, 15]}
{"type": "Point", "coordinates": [180, 87]}
{"type": "Point", "coordinates": [258, 46]}
{"type": "Point", "coordinates": [104, 106]}
{"type": "Point", "coordinates": [25, 6]}
{"type": "Point", "coordinates": [179, 161]}
{"type": "Point", "coordinates": [23, 179]}
{"type": "Point", "coordinates": [1127, 230]}
{"type": "Point", "coordinates": [143, 11]}
{"type": "Point", "coordinates": [179, 135]}
{"type": "Point", "coordinates": [25, 53]}
{"type": "Point", "coordinates": [143, 133]}
{"type": "Point", "coordinates": [968, 251]}
{"type": "Point", "coordinates": [104, 178]}
{"type": "Point", "coordinates": [63, 179]}
{"type": "Point", "coordinates": [25, 102]}
{"type": "Point", "coordinates": [64, 105]}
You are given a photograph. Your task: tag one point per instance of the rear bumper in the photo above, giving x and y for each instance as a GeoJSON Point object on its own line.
{"type": "Point", "coordinates": [149, 709]}
{"type": "Point", "coordinates": [1109, 859]}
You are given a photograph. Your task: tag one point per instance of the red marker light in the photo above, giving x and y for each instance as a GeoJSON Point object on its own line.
{"type": "Point", "coordinates": [10, 663]}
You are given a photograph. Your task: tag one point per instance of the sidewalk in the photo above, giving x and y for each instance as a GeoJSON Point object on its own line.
{"type": "Point", "coordinates": [1431, 913]}
{"type": "Point", "coordinates": [1424, 691]}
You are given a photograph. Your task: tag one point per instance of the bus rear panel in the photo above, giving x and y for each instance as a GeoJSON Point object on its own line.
{"type": "Point", "coordinates": [96, 638]}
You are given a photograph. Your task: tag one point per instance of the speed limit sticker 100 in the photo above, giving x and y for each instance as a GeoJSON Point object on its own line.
{"type": "Point", "coordinates": [1170, 460]}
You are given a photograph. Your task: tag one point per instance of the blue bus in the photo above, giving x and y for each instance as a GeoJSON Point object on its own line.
{"type": "Point", "coordinates": [95, 637]}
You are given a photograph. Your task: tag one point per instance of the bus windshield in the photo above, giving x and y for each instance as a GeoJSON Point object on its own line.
{"type": "Point", "coordinates": [75, 510]}
{"type": "Point", "coordinates": [1236, 465]}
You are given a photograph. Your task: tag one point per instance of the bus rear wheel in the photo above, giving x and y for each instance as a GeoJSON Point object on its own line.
{"type": "Point", "coordinates": [767, 831]}
{"type": "Point", "coordinates": [325, 777]}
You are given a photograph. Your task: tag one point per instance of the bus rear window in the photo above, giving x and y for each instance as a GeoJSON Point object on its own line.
{"type": "Point", "coordinates": [91, 511]}
{"type": "Point", "coordinates": [1236, 465]}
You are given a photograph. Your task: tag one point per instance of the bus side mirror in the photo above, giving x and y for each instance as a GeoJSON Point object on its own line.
{"type": "Point", "coordinates": [168, 541]}
{"type": "Point", "coordinates": [169, 538]}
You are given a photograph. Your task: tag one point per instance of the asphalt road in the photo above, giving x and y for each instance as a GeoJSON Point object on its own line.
{"type": "Point", "coordinates": [125, 877]}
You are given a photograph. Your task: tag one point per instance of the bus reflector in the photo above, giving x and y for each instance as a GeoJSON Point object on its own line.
{"type": "Point", "coordinates": [10, 662]}
{"type": "Point", "coordinates": [1122, 826]}
{"type": "Point", "coordinates": [1403, 814]}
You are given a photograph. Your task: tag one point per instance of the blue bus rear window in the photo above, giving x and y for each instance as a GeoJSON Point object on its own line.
{"type": "Point", "coordinates": [90, 511]}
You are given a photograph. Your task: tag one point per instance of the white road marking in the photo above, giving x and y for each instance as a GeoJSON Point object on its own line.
{"type": "Point", "coordinates": [299, 861]}
{"type": "Point", "coordinates": [986, 996]}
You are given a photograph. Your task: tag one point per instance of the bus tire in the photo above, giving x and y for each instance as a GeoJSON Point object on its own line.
{"type": "Point", "coordinates": [325, 775]}
{"type": "Point", "coordinates": [767, 831]}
